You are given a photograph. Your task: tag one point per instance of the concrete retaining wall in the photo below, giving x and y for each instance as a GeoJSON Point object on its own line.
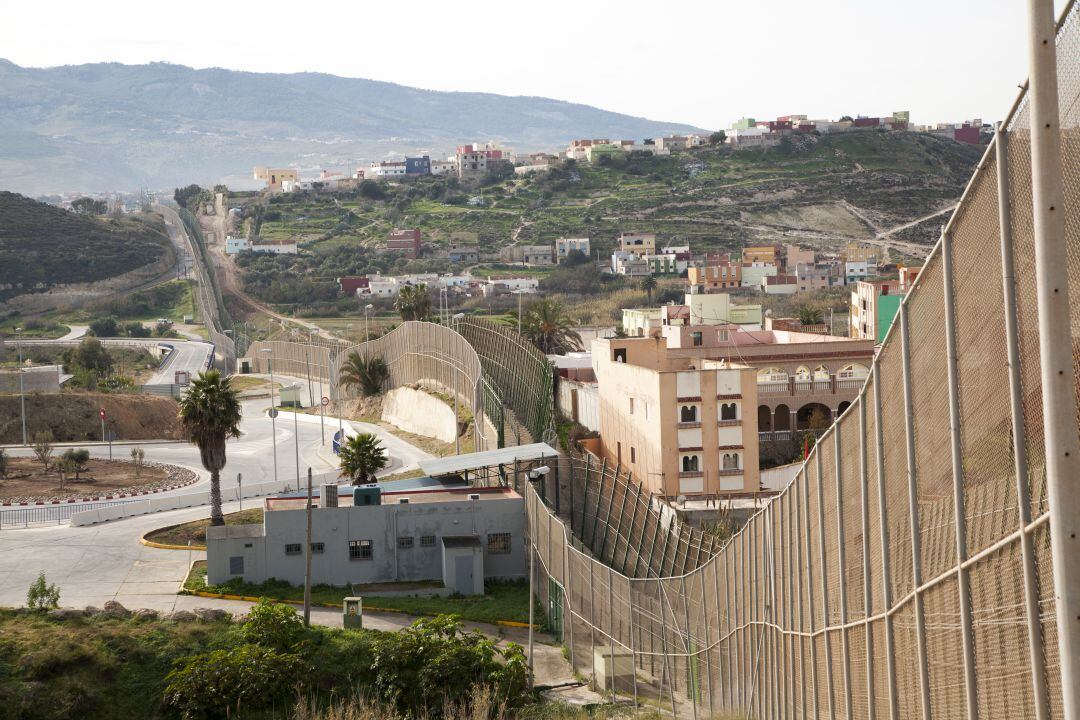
{"type": "Point", "coordinates": [421, 413]}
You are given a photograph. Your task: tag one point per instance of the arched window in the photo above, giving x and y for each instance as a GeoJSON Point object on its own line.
{"type": "Point", "coordinates": [688, 413]}
{"type": "Point", "coordinates": [690, 463]}
{"type": "Point", "coordinates": [821, 372]}
{"type": "Point", "coordinates": [855, 371]}
{"type": "Point", "coordinates": [802, 373]}
{"type": "Point", "coordinates": [731, 461]}
{"type": "Point", "coordinates": [729, 411]}
{"type": "Point", "coordinates": [773, 374]}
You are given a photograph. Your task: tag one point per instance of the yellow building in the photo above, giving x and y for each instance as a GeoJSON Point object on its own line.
{"type": "Point", "coordinates": [716, 277]}
{"type": "Point", "coordinates": [638, 244]}
{"type": "Point", "coordinates": [274, 177]}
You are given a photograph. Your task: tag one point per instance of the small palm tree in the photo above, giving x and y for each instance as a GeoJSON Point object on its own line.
{"type": "Point", "coordinates": [210, 415]}
{"type": "Point", "coordinates": [648, 285]}
{"type": "Point", "coordinates": [549, 327]}
{"type": "Point", "coordinates": [414, 302]}
{"type": "Point", "coordinates": [361, 456]}
{"type": "Point", "coordinates": [367, 373]}
{"type": "Point", "coordinates": [810, 315]}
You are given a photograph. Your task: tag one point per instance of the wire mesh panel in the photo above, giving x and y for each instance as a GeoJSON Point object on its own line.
{"type": "Point", "coordinates": [810, 609]}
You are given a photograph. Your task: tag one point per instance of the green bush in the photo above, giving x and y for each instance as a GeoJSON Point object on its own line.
{"type": "Point", "coordinates": [434, 662]}
{"type": "Point", "coordinates": [42, 596]}
{"type": "Point", "coordinates": [231, 682]}
{"type": "Point", "coordinates": [273, 625]}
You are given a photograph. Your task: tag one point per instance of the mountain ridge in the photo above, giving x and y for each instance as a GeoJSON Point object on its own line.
{"type": "Point", "coordinates": [106, 126]}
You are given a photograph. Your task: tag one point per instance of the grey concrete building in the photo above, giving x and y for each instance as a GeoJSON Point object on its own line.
{"type": "Point", "coordinates": [459, 536]}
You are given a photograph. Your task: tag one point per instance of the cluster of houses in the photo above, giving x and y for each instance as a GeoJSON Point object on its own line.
{"type": "Point", "coordinates": [748, 132]}
{"type": "Point", "coordinates": [375, 285]}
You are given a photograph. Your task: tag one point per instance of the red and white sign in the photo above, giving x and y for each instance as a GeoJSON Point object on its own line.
{"type": "Point", "coordinates": [101, 412]}
{"type": "Point", "coordinates": [325, 400]}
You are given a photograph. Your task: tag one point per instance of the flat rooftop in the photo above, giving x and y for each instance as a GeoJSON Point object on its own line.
{"type": "Point", "coordinates": [417, 496]}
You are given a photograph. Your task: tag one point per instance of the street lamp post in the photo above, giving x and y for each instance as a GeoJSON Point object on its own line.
{"type": "Point", "coordinates": [273, 411]}
{"type": "Point", "coordinates": [367, 331]}
{"type": "Point", "coordinates": [22, 392]}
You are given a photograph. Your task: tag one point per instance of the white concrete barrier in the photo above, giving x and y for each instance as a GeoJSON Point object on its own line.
{"type": "Point", "coordinates": [186, 500]}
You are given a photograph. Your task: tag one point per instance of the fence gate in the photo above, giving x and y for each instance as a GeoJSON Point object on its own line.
{"type": "Point", "coordinates": [555, 609]}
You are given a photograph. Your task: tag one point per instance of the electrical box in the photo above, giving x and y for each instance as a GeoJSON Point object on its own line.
{"type": "Point", "coordinates": [352, 610]}
{"type": "Point", "coordinates": [329, 495]}
{"type": "Point", "coordinates": [367, 495]}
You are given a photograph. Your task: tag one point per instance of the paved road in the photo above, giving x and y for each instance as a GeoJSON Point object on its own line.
{"type": "Point", "coordinates": [252, 454]}
{"type": "Point", "coordinates": [187, 355]}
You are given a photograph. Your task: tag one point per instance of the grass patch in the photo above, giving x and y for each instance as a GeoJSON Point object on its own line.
{"type": "Point", "coordinates": [195, 531]}
{"type": "Point", "coordinates": [501, 601]}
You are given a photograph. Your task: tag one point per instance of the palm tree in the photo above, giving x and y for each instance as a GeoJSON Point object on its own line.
{"type": "Point", "coordinates": [548, 326]}
{"type": "Point", "coordinates": [368, 373]}
{"type": "Point", "coordinates": [210, 415]}
{"type": "Point", "coordinates": [361, 456]}
{"type": "Point", "coordinates": [648, 284]}
{"type": "Point", "coordinates": [414, 302]}
{"type": "Point", "coordinates": [810, 315]}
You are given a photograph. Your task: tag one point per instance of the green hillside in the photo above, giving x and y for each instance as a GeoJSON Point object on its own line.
{"type": "Point", "coordinates": [42, 246]}
{"type": "Point", "coordinates": [822, 191]}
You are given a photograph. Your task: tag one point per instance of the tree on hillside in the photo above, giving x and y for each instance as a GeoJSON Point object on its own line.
{"type": "Point", "coordinates": [575, 258]}
{"type": "Point", "coordinates": [362, 456]}
{"type": "Point", "coordinates": [104, 327]}
{"type": "Point", "coordinates": [547, 325]}
{"type": "Point", "coordinates": [210, 415]}
{"type": "Point", "coordinates": [184, 195]}
{"type": "Point", "coordinates": [367, 373]}
{"type": "Point", "coordinates": [414, 302]}
{"type": "Point", "coordinates": [648, 285]}
{"type": "Point", "coordinates": [845, 118]}
{"type": "Point", "coordinates": [718, 138]}
{"type": "Point", "coordinates": [89, 206]}
{"type": "Point", "coordinates": [91, 356]}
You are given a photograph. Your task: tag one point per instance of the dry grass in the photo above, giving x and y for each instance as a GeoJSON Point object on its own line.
{"type": "Point", "coordinates": [195, 531]}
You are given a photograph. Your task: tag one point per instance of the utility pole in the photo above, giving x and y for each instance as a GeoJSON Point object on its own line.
{"type": "Point", "coordinates": [307, 554]}
{"type": "Point", "coordinates": [273, 410]}
{"type": "Point", "coordinates": [22, 391]}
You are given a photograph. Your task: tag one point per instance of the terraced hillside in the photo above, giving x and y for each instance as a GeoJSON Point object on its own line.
{"type": "Point", "coordinates": [890, 188]}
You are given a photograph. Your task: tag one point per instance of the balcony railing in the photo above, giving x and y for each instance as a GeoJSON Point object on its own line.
{"type": "Point", "coordinates": [797, 386]}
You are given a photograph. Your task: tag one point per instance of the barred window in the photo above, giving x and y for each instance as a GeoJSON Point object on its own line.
{"type": "Point", "coordinates": [405, 542]}
{"type": "Point", "coordinates": [317, 548]}
{"type": "Point", "coordinates": [498, 543]}
{"type": "Point", "coordinates": [360, 550]}
{"type": "Point", "coordinates": [293, 548]}
{"type": "Point", "coordinates": [427, 541]}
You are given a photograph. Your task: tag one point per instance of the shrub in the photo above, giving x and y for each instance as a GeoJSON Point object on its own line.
{"type": "Point", "coordinates": [42, 596]}
{"type": "Point", "coordinates": [231, 682]}
{"type": "Point", "coordinates": [434, 662]}
{"type": "Point", "coordinates": [104, 327]}
{"type": "Point", "coordinates": [273, 625]}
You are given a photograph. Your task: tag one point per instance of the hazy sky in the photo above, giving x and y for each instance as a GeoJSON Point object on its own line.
{"type": "Point", "coordinates": [706, 63]}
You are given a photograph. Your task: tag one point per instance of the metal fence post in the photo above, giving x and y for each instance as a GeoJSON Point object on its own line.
{"type": "Point", "coordinates": [868, 595]}
{"type": "Point", "coordinates": [805, 506]}
{"type": "Point", "coordinates": [913, 510]}
{"type": "Point", "coordinates": [841, 569]}
{"type": "Point", "coordinates": [797, 578]}
{"type": "Point", "coordinates": [824, 582]}
{"type": "Point", "coordinates": [1019, 429]}
{"type": "Point", "coordinates": [883, 532]}
{"type": "Point", "coordinates": [1055, 345]}
{"type": "Point", "coordinates": [959, 516]}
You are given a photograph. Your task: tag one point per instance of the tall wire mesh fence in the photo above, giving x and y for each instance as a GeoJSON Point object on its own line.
{"type": "Point", "coordinates": [906, 570]}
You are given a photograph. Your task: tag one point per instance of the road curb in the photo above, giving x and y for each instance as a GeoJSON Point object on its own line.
{"type": "Point", "coordinates": [166, 546]}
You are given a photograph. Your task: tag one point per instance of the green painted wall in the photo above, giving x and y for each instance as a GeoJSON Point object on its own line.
{"type": "Point", "coordinates": [887, 307]}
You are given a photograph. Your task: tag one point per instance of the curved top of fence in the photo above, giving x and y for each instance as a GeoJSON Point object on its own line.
{"type": "Point", "coordinates": [521, 373]}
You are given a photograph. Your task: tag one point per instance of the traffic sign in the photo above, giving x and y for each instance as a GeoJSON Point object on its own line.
{"type": "Point", "coordinates": [273, 412]}
{"type": "Point", "coordinates": [101, 412]}
{"type": "Point", "coordinates": [325, 400]}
